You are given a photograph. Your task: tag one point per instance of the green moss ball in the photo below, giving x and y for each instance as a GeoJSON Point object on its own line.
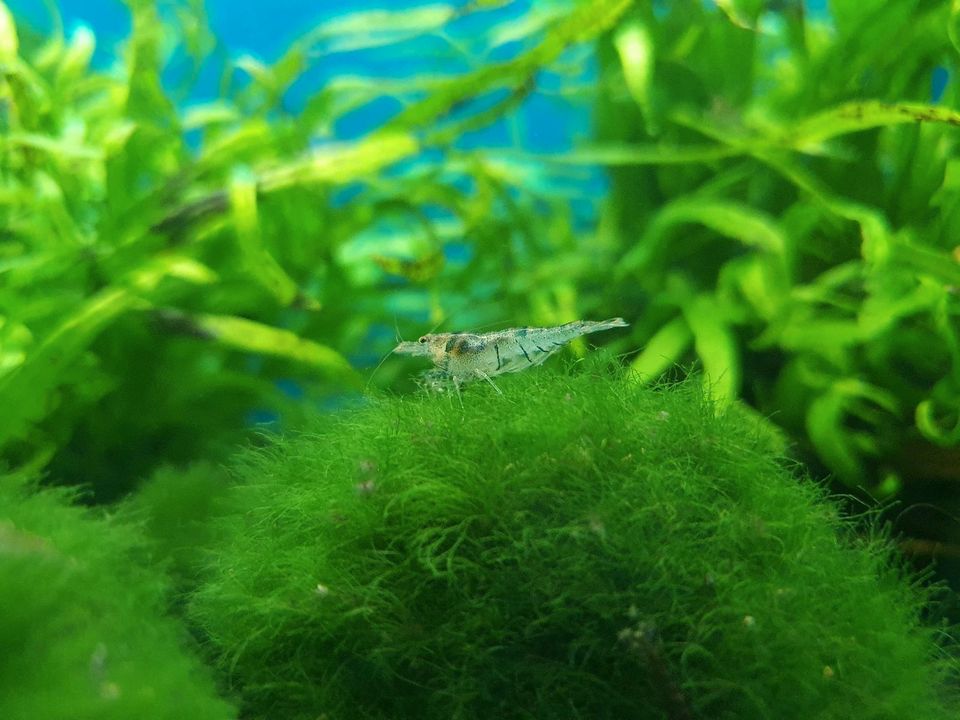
{"type": "Point", "coordinates": [577, 547]}
{"type": "Point", "coordinates": [174, 508]}
{"type": "Point", "coordinates": [83, 631]}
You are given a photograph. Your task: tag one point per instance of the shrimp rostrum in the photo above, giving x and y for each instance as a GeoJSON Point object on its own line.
{"type": "Point", "coordinates": [464, 357]}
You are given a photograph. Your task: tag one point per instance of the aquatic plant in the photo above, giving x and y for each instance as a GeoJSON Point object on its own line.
{"type": "Point", "coordinates": [170, 262]}
{"type": "Point", "coordinates": [784, 200]}
{"type": "Point", "coordinates": [577, 547]}
{"type": "Point", "coordinates": [83, 622]}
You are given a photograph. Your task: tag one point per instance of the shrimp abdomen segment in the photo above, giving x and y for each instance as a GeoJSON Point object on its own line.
{"type": "Point", "coordinates": [520, 348]}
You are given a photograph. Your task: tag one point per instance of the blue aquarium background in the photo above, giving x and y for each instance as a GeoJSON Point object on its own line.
{"type": "Point", "coordinates": [219, 219]}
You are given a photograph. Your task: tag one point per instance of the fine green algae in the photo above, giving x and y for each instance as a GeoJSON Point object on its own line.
{"type": "Point", "coordinates": [579, 547]}
{"type": "Point", "coordinates": [174, 507]}
{"type": "Point", "coordinates": [82, 627]}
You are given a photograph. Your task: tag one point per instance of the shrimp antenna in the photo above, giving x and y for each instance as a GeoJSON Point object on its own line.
{"type": "Point", "coordinates": [438, 324]}
{"type": "Point", "coordinates": [397, 337]}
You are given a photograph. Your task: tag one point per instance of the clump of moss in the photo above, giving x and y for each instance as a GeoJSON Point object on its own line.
{"type": "Point", "coordinates": [174, 507]}
{"type": "Point", "coordinates": [82, 626]}
{"type": "Point", "coordinates": [578, 547]}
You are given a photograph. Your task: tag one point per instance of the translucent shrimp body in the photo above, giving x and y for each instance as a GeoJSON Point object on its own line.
{"type": "Point", "coordinates": [464, 357]}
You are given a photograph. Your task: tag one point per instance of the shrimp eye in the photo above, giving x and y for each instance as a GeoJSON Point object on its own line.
{"type": "Point", "coordinates": [422, 339]}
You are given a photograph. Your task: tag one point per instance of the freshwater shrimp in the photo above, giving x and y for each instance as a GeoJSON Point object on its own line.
{"type": "Point", "coordinates": [463, 357]}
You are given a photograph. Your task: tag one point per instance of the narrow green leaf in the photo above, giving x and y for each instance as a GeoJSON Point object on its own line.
{"type": "Point", "coordinates": [825, 427]}
{"type": "Point", "coordinates": [883, 309]}
{"type": "Point", "coordinates": [715, 346]}
{"type": "Point", "coordinates": [663, 350]}
{"type": "Point", "coordinates": [235, 142]}
{"type": "Point", "coordinates": [76, 59]}
{"type": "Point", "coordinates": [530, 24]}
{"type": "Point", "coordinates": [9, 43]}
{"type": "Point", "coordinates": [195, 35]}
{"type": "Point", "coordinates": [857, 116]}
{"type": "Point", "coordinates": [855, 389]}
{"type": "Point", "coordinates": [743, 15]}
{"type": "Point", "coordinates": [634, 45]}
{"type": "Point", "coordinates": [250, 336]}
{"type": "Point", "coordinates": [739, 222]}
{"type": "Point", "coordinates": [806, 331]}
{"type": "Point", "coordinates": [375, 28]}
{"type": "Point", "coordinates": [253, 67]}
{"type": "Point", "coordinates": [52, 146]}
{"type": "Point", "coordinates": [935, 422]}
{"type": "Point", "coordinates": [275, 79]}
{"type": "Point", "coordinates": [258, 261]}
{"type": "Point", "coordinates": [826, 424]}
{"type": "Point", "coordinates": [932, 263]}
{"type": "Point", "coordinates": [751, 227]}
{"type": "Point", "coordinates": [149, 277]}
{"type": "Point", "coordinates": [291, 65]}
{"type": "Point", "coordinates": [759, 281]}
{"type": "Point", "coordinates": [873, 225]}
{"type": "Point", "coordinates": [117, 135]}
{"type": "Point", "coordinates": [953, 25]}
{"type": "Point", "coordinates": [613, 155]}
{"type": "Point", "coordinates": [341, 163]}
{"type": "Point", "coordinates": [15, 342]}
{"type": "Point", "coordinates": [146, 99]}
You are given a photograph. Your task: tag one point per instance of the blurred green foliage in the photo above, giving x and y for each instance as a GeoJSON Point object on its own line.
{"type": "Point", "coordinates": [783, 210]}
{"type": "Point", "coordinates": [84, 626]}
{"type": "Point", "coordinates": [786, 204]}
{"type": "Point", "coordinates": [162, 265]}
{"type": "Point", "coordinates": [174, 509]}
